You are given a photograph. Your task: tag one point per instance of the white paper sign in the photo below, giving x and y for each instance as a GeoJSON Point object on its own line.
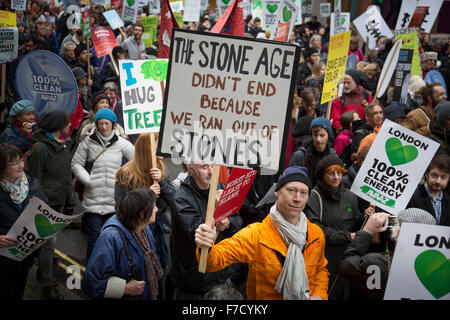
{"type": "Point", "coordinates": [371, 24]}
{"type": "Point", "coordinates": [393, 167]}
{"type": "Point", "coordinates": [130, 10]}
{"type": "Point", "coordinates": [343, 26]}
{"type": "Point", "coordinates": [222, 6]}
{"type": "Point", "coordinates": [177, 6]}
{"type": "Point", "coordinates": [420, 268]}
{"type": "Point", "coordinates": [35, 225]}
{"type": "Point", "coordinates": [113, 19]}
{"type": "Point", "coordinates": [407, 11]}
{"type": "Point", "coordinates": [227, 100]}
{"type": "Point", "coordinates": [142, 83]}
{"type": "Point", "coordinates": [9, 44]}
{"type": "Point", "coordinates": [191, 10]}
{"type": "Point", "coordinates": [270, 16]}
{"type": "Point", "coordinates": [325, 10]}
{"type": "Point", "coordinates": [287, 14]}
{"type": "Point", "coordinates": [19, 4]}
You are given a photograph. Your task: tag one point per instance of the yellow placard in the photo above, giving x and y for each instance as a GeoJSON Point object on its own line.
{"type": "Point", "coordinates": [7, 19]}
{"type": "Point", "coordinates": [336, 64]}
{"type": "Point", "coordinates": [411, 41]}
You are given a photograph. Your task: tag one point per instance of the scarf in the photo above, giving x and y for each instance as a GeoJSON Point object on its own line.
{"type": "Point", "coordinates": [104, 140]}
{"type": "Point", "coordinates": [18, 190]}
{"type": "Point", "coordinates": [152, 266]}
{"type": "Point", "coordinates": [292, 281]}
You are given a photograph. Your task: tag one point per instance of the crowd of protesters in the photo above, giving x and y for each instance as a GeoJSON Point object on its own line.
{"type": "Point", "coordinates": [303, 245]}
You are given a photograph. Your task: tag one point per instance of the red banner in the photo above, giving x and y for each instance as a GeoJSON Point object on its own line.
{"type": "Point", "coordinates": [117, 4]}
{"type": "Point", "coordinates": [232, 21]}
{"type": "Point", "coordinates": [104, 41]}
{"type": "Point", "coordinates": [167, 22]}
{"type": "Point", "coordinates": [234, 194]}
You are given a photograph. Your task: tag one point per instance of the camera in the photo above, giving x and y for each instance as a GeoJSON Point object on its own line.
{"type": "Point", "coordinates": [34, 126]}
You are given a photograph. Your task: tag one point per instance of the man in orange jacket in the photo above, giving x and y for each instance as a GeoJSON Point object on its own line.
{"type": "Point", "coordinates": [284, 253]}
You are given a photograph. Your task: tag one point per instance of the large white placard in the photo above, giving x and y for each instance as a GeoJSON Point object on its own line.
{"type": "Point", "coordinates": [420, 268]}
{"type": "Point", "coordinates": [393, 167]}
{"type": "Point", "coordinates": [407, 11]}
{"type": "Point", "coordinates": [227, 100]}
{"type": "Point", "coordinates": [372, 25]}
{"type": "Point", "coordinates": [142, 83]}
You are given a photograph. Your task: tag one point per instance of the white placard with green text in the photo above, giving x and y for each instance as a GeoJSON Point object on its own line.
{"type": "Point", "coordinates": [142, 83]}
{"type": "Point", "coordinates": [393, 167]}
{"type": "Point", "coordinates": [421, 264]}
{"type": "Point", "coordinates": [37, 223]}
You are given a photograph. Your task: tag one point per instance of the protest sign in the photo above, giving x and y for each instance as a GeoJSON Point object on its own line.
{"type": "Point", "coordinates": [410, 40]}
{"type": "Point", "coordinates": [401, 77]}
{"type": "Point", "coordinates": [393, 167]}
{"type": "Point", "coordinates": [222, 6]}
{"type": "Point", "coordinates": [86, 21]}
{"type": "Point", "coordinates": [191, 10]}
{"type": "Point", "coordinates": [9, 44]}
{"type": "Point", "coordinates": [117, 4]}
{"type": "Point", "coordinates": [270, 18]}
{"type": "Point", "coordinates": [306, 8]}
{"type": "Point", "coordinates": [37, 223]}
{"type": "Point", "coordinates": [113, 19]}
{"type": "Point", "coordinates": [130, 10]}
{"type": "Point", "coordinates": [286, 15]}
{"type": "Point", "coordinates": [388, 69]}
{"type": "Point", "coordinates": [104, 41]}
{"type": "Point", "coordinates": [142, 83]}
{"type": "Point", "coordinates": [325, 10]}
{"type": "Point", "coordinates": [423, 19]}
{"type": "Point", "coordinates": [177, 6]}
{"type": "Point", "coordinates": [167, 23]}
{"type": "Point", "coordinates": [371, 25]}
{"type": "Point", "coordinates": [7, 19]}
{"type": "Point", "coordinates": [220, 100]}
{"type": "Point", "coordinates": [420, 267]}
{"type": "Point", "coordinates": [150, 30]}
{"type": "Point", "coordinates": [336, 63]}
{"type": "Point", "coordinates": [342, 26]}
{"type": "Point", "coordinates": [257, 9]}
{"type": "Point", "coordinates": [19, 4]}
{"type": "Point", "coordinates": [234, 193]}
{"type": "Point", "coordinates": [44, 78]}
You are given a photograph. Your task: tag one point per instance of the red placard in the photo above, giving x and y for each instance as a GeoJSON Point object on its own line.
{"type": "Point", "coordinates": [418, 16]}
{"type": "Point", "coordinates": [282, 32]}
{"type": "Point", "coordinates": [117, 4]}
{"type": "Point", "coordinates": [234, 194]}
{"type": "Point", "coordinates": [104, 41]}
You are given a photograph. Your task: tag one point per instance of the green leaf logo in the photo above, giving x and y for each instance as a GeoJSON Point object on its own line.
{"type": "Point", "coordinates": [44, 227]}
{"type": "Point", "coordinates": [130, 2]}
{"type": "Point", "coordinates": [226, 1]}
{"type": "Point", "coordinates": [287, 14]}
{"type": "Point", "coordinates": [398, 154]}
{"type": "Point", "coordinates": [272, 8]}
{"type": "Point", "coordinates": [155, 69]}
{"type": "Point", "coordinates": [433, 270]}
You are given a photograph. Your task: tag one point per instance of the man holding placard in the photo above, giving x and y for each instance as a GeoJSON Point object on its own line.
{"type": "Point", "coordinates": [188, 212]}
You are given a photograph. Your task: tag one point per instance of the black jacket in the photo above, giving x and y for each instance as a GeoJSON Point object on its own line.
{"type": "Point", "coordinates": [188, 211]}
{"type": "Point", "coordinates": [421, 200]}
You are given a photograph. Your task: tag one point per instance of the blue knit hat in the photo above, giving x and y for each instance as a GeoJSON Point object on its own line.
{"type": "Point", "coordinates": [21, 107]}
{"type": "Point", "coordinates": [324, 123]}
{"type": "Point", "coordinates": [105, 113]}
{"type": "Point", "coordinates": [293, 173]}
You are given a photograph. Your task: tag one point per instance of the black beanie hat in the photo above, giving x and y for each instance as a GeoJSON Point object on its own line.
{"type": "Point", "coordinates": [355, 76]}
{"type": "Point", "coordinates": [294, 173]}
{"type": "Point", "coordinates": [52, 120]}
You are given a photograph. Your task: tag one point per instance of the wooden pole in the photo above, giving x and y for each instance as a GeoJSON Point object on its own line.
{"type": "Point", "coordinates": [209, 220]}
{"type": "Point", "coordinates": [123, 33]}
{"type": "Point", "coordinates": [153, 152]}
{"type": "Point", "coordinates": [3, 92]}
{"type": "Point", "coordinates": [329, 109]}
{"type": "Point", "coordinates": [116, 69]}
{"type": "Point", "coordinates": [89, 58]}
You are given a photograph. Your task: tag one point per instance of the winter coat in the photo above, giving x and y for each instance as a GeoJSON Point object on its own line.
{"type": "Point", "coordinates": [259, 245]}
{"type": "Point", "coordinates": [355, 262]}
{"type": "Point", "coordinates": [49, 162]}
{"type": "Point", "coordinates": [360, 130]}
{"type": "Point", "coordinates": [188, 211]}
{"type": "Point", "coordinates": [418, 119]}
{"type": "Point", "coordinates": [108, 266]}
{"type": "Point", "coordinates": [338, 215]}
{"type": "Point", "coordinates": [348, 179]}
{"type": "Point", "coordinates": [441, 135]}
{"type": "Point", "coordinates": [343, 139]}
{"type": "Point", "coordinates": [98, 196]}
{"type": "Point", "coordinates": [13, 135]}
{"type": "Point", "coordinates": [368, 140]}
{"type": "Point", "coordinates": [421, 200]}
{"type": "Point", "coordinates": [307, 156]}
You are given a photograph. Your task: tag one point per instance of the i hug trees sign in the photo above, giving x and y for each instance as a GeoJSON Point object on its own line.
{"type": "Point", "coordinates": [227, 100]}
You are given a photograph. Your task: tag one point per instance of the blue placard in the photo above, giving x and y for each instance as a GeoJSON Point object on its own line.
{"type": "Point", "coordinates": [435, 76]}
{"type": "Point", "coordinates": [113, 19]}
{"type": "Point", "coordinates": [68, 3]}
{"type": "Point", "coordinates": [44, 78]}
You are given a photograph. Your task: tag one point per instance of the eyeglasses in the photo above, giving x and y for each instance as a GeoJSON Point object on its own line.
{"type": "Point", "coordinates": [16, 163]}
{"type": "Point", "coordinates": [435, 176]}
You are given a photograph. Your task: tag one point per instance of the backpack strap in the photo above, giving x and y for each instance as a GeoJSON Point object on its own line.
{"type": "Point", "coordinates": [320, 203]}
{"type": "Point", "coordinates": [131, 261]}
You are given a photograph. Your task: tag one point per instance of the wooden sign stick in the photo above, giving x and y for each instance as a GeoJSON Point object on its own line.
{"type": "Point", "coordinates": [209, 220]}
{"type": "Point", "coordinates": [123, 33]}
{"type": "Point", "coordinates": [3, 92]}
{"type": "Point", "coordinates": [116, 69]}
{"type": "Point", "coordinates": [89, 58]}
{"type": "Point", "coordinates": [153, 155]}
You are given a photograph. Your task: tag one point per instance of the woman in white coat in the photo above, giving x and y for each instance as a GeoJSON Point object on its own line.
{"type": "Point", "coordinates": [94, 165]}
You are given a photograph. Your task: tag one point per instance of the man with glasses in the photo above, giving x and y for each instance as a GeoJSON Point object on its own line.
{"type": "Point", "coordinates": [431, 196]}
{"type": "Point", "coordinates": [134, 45]}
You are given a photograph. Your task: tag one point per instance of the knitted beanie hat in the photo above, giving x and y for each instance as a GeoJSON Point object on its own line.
{"type": "Point", "coordinates": [394, 112]}
{"type": "Point", "coordinates": [99, 97]}
{"type": "Point", "coordinates": [327, 162]}
{"type": "Point", "coordinates": [21, 107]}
{"type": "Point", "coordinates": [105, 113]}
{"type": "Point", "coordinates": [416, 215]}
{"type": "Point", "coordinates": [294, 173]}
{"type": "Point", "coordinates": [355, 75]}
{"type": "Point", "coordinates": [302, 126]}
{"type": "Point", "coordinates": [52, 120]}
{"type": "Point", "coordinates": [324, 123]}
{"type": "Point", "coordinates": [442, 112]}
